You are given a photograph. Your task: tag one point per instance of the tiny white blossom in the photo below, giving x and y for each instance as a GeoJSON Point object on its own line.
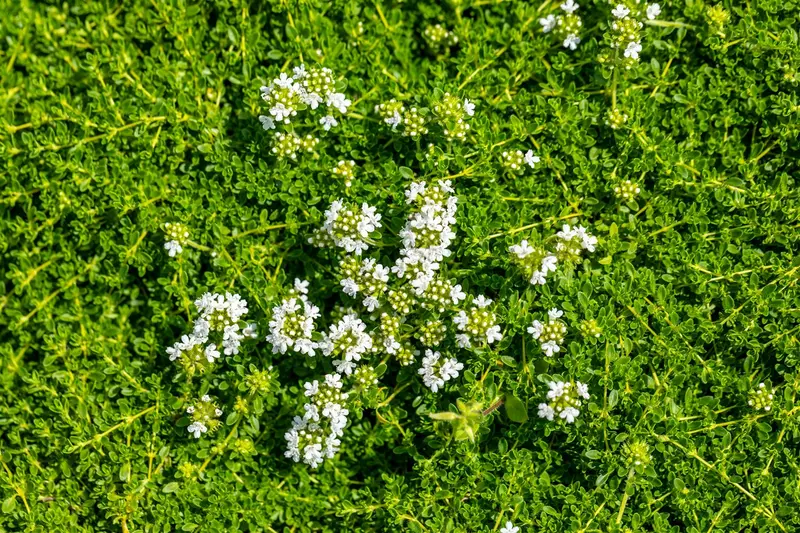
{"type": "Point", "coordinates": [482, 301]}
{"type": "Point", "coordinates": [173, 248]}
{"type": "Point", "coordinates": [569, 414]}
{"type": "Point", "coordinates": [509, 528]}
{"type": "Point", "coordinates": [653, 10]}
{"type": "Point", "coordinates": [531, 159]}
{"type": "Point", "coordinates": [339, 101]}
{"type": "Point", "coordinates": [550, 347]}
{"type": "Point", "coordinates": [633, 49]}
{"type": "Point", "coordinates": [569, 6]}
{"type": "Point", "coordinates": [555, 313]}
{"type": "Point", "coordinates": [197, 429]}
{"type": "Point", "coordinates": [545, 411]}
{"type": "Point", "coordinates": [572, 41]}
{"type": "Point", "coordinates": [328, 122]}
{"type": "Point", "coordinates": [469, 107]}
{"type": "Point", "coordinates": [535, 329]}
{"type": "Point", "coordinates": [548, 23]}
{"type": "Point", "coordinates": [266, 122]}
{"type": "Point", "coordinates": [620, 11]}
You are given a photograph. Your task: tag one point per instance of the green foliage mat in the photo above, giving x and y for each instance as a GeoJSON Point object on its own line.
{"type": "Point", "coordinates": [118, 117]}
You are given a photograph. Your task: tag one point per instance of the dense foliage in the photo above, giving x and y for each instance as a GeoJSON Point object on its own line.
{"type": "Point", "coordinates": [117, 118]}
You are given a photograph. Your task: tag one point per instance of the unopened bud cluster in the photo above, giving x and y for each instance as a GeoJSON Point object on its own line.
{"type": "Point", "coordinates": [450, 114]}
{"type": "Point", "coordinates": [627, 190]}
{"type": "Point", "coordinates": [438, 37]}
{"type": "Point", "coordinates": [761, 398]}
{"type": "Point", "coordinates": [176, 236]}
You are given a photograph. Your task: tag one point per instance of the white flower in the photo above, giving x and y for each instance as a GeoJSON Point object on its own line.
{"type": "Point", "coordinates": [211, 353]}
{"type": "Point", "coordinates": [535, 329]}
{"type": "Point", "coordinates": [549, 263]}
{"type": "Point", "coordinates": [462, 340]}
{"type": "Point", "coordinates": [457, 294]}
{"type": "Point", "coordinates": [493, 334]}
{"type": "Point", "coordinates": [556, 389]}
{"type": "Point", "coordinates": [531, 159]}
{"type": "Point", "coordinates": [482, 301]}
{"type": "Point", "coordinates": [538, 278]}
{"type": "Point", "coordinates": [333, 380]}
{"type": "Point", "coordinates": [633, 49]}
{"type": "Point", "coordinates": [300, 72]}
{"type": "Point", "coordinates": [569, 414]}
{"type": "Point", "coordinates": [312, 100]}
{"type": "Point", "coordinates": [371, 303]}
{"type": "Point", "coordinates": [266, 122]}
{"type": "Point", "coordinates": [572, 41]}
{"type": "Point", "coordinates": [173, 247]}
{"type": "Point", "coordinates": [550, 347]}
{"type": "Point", "coordinates": [555, 313]}
{"type": "Point", "coordinates": [349, 286]}
{"type": "Point", "coordinates": [621, 11]}
{"type": "Point", "coordinates": [469, 107]}
{"type": "Point", "coordinates": [394, 121]}
{"type": "Point", "coordinates": [509, 527]}
{"type": "Point", "coordinates": [545, 411]}
{"type": "Point", "coordinates": [280, 112]}
{"type": "Point", "coordinates": [311, 387]}
{"type": "Point", "coordinates": [339, 101]}
{"type": "Point", "coordinates": [548, 23]}
{"type": "Point", "coordinates": [569, 6]}
{"type": "Point", "coordinates": [284, 82]}
{"type": "Point", "coordinates": [206, 398]}
{"type": "Point", "coordinates": [197, 429]}
{"type": "Point", "coordinates": [521, 250]}
{"type": "Point", "coordinates": [328, 122]}
{"type": "Point", "coordinates": [301, 286]}
{"type": "Point", "coordinates": [583, 390]}
{"type": "Point", "coordinates": [653, 10]}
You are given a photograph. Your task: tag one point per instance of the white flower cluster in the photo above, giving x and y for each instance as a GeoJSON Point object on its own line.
{"type": "Point", "coordinates": [392, 327]}
{"type": "Point", "coordinates": [349, 340]}
{"type": "Point", "coordinates": [205, 417]}
{"type": "Point", "coordinates": [220, 316]}
{"type": "Point", "coordinates": [177, 236]}
{"type": "Point", "coordinates": [365, 276]}
{"type": "Point", "coordinates": [292, 324]}
{"type": "Point", "coordinates": [564, 400]}
{"type": "Point", "coordinates": [315, 436]}
{"type": "Point", "coordinates": [565, 25]}
{"type": "Point", "coordinates": [572, 241]}
{"type": "Point", "coordinates": [535, 261]}
{"type": "Point", "coordinates": [551, 333]}
{"type": "Point", "coordinates": [436, 370]}
{"type": "Point", "coordinates": [347, 226]}
{"type": "Point", "coordinates": [428, 234]}
{"type": "Point", "coordinates": [306, 89]}
{"type": "Point", "coordinates": [625, 33]}
{"type": "Point", "coordinates": [478, 325]}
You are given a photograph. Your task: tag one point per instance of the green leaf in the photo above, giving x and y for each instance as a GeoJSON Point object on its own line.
{"type": "Point", "coordinates": [171, 487]}
{"type": "Point", "coordinates": [515, 409]}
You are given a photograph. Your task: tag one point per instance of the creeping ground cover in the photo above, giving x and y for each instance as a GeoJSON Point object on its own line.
{"type": "Point", "coordinates": [342, 266]}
